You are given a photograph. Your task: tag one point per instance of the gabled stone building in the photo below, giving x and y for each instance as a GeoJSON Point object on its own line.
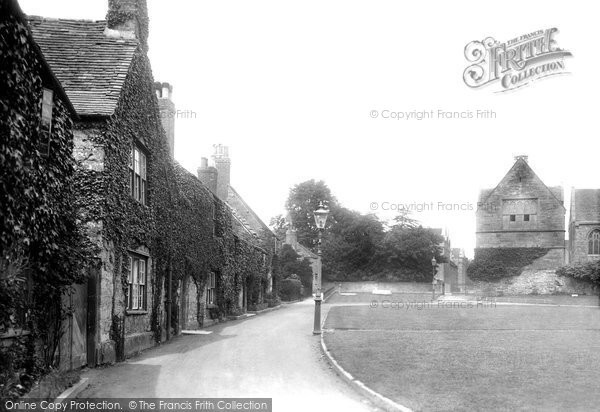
{"type": "Point", "coordinates": [584, 225]}
{"type": "Point", "coordinates": [522, 212]}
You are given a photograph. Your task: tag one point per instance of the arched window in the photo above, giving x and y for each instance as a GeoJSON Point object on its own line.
{"type": "Point", "coordinates": [594, 242]}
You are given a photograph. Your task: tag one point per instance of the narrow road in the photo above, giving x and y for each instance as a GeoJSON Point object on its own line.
{"type": "Point", "coordinates": [272, 355]}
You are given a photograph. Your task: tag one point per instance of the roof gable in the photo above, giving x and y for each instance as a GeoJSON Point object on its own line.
{"type": "Point", "coordinates": [90, 63]}
{"type": "Point", "coordinates": [522, 171]}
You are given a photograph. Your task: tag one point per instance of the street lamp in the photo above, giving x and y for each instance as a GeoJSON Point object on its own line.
{"type": "Point", "coordinates": [320, 219]}
{"type": "Point", "coordinates": [433, 281]}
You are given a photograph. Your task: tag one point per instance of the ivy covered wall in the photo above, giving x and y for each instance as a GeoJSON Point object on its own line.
{"type": "Point", "coordinates": [41, 246]}
{"type": "Point", "coordinates": [185, 229]}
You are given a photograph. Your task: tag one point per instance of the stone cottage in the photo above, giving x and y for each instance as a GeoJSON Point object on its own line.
{"type": "Point", "coordinates": [37, 216]}
{"type": "Point", "coordinates": [217, 177]}
{"type": "Point", "coordinates": [169, 253]}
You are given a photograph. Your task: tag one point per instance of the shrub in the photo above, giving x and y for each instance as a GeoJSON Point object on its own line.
{"type": "Point", "coordinates": [588, 271]}
{"type": "Point", "coordinates": [496, 263]}
{"type": "Point", "coordinates": [290, 289]}
{"type": "Point", "coordinates": [272, 300]}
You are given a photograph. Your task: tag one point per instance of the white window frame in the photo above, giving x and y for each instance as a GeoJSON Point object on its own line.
{"type": "Point", "coordinates": [137, 280]}
{"type": "Point", "coordinates": [138, 182]}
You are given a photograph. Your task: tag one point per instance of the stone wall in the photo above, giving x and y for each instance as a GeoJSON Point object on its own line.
{"type": "Point", "coordinates": [578, 240]}
{"type": "Point", "coordinates": [533, 281]}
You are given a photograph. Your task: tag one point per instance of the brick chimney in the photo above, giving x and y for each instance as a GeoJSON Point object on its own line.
{"type": "Point", "coordinates": [129, 18]}
{"type": "Point", "coordinates": [223, 165]}
{"type": "Point", "coordinates": [208, 175]}
{"type": "Point", "coordinates": [291, 237]}
{"type": "Point", "coordinates": [164, 93]}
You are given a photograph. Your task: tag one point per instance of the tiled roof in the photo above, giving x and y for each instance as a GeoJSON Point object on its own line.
{"type": "Point", "coordinates": [305, 252]}
{"type": "Point", "coordinates": [585, 205]}
{"type": "Point", "coordinates": [91, 66]}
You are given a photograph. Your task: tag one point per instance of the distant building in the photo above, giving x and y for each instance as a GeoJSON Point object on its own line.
{"type": "Point", "coordinates": [291, 239]}
{"type": "Point", "coordinates": [584, 225]}
{"type": "Point", "coordinates": [453, 272]}
{"type": "Point", "coordinates": [522, 212]}
{"type": "Point", "coordinates": [217, 177]}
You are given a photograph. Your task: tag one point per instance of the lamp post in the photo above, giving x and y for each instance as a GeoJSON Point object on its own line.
{"type": "Point", "coordinates": [320, 219]}
{"type": "Point", "coordinates": [433, 280]}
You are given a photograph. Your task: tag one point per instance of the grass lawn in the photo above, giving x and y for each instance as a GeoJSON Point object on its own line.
{"type": "Point", "coordinates": [493, 358]}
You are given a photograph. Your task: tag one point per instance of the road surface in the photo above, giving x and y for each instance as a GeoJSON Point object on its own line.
{"type": "Point", "coordinates": [272, 355]}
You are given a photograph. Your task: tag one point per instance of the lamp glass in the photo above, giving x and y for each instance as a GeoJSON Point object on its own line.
{"type": "Point", "coordinates": [321, 216]}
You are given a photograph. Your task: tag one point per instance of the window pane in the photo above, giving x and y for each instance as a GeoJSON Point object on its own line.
{"type": "Point", "coordinates": [141, 297]}
{"type": "Point", "coordinates": [142, 275]}
{"type": "Point", "coordinates": [136, 161]}
{"type": "Point", "coordinates": [135, 271]}
{"type": "Point", "coordinates": [136, 189]}
{"type": "Point", "coordinates": [143, 165]}
{"type": "Point", "coordinates": [130, 274]}
{"type": "Point", "coordinates": [131, 183]}
{"type": "Point", "coordinates": [143, 192]}
{"type": "Point", "coordinates": [135, 297]}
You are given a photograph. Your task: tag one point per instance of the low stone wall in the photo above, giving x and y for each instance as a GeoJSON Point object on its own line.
{"type": "Point", "coordinates": [394, 287]}
{"type": "Point", "coordinates": [533, 282]}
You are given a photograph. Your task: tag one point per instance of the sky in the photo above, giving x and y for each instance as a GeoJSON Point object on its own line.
{"type": "Point", "coordinates": [291, 88]}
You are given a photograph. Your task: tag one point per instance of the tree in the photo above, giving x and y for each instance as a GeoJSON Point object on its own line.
{"type": "Point", "coordinates": [302, 201]}
{"type": "Point", "coordinates": [407, 252]}
{"type": "Point", "coordinates": [350, 248]}
{"type": "Point", "coordinates": [404, 220]}
{"type": "Point", "coordinates": [291, 263]}
{"type": "Point", "coordinates": [278, 225]}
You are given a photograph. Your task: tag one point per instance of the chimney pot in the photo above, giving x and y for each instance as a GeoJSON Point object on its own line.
{"type": "Point", "coordinates": [167, 113]}
{"type": "Point", "coordinates": [203, 163]}
{"type": "Point", "coordinates": [525, 158]}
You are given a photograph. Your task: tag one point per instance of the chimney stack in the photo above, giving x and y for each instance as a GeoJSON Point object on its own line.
{"type": "Point", "coordinates": [291, 237]}
{"type": "Point", "coordinates": [208, 175]}
{"type": "Point", "coordinates": [130, 19]}
{"type": "Point", "coordinates": [223, 166]}
{"type": "Point", "coordinates": [164, 93]}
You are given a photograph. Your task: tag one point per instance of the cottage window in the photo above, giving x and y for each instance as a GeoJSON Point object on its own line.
{"type": "Point", "coordinates": [46, 125]}
{"type": "Point", "coordinates": [137, 174]}
{"type": "Point", "coordinates": [526, 218]}
{"type": "Point", "coordinates": [211, 289]}
{"type": "Point", "coordinates": [136, 282]}
{"type": "Point", "coordinates": [513, 218]}
{"type": "Point", "coordinates": [594, 243]}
